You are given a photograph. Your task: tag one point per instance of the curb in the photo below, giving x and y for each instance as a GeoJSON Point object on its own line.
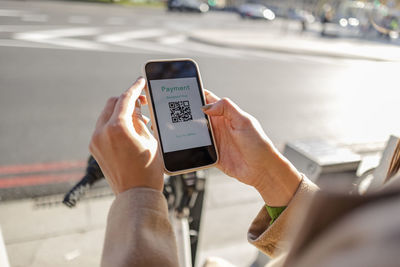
{"type": "Point", "coordinates": [292, 51]}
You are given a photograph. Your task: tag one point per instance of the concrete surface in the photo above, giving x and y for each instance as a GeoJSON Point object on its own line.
{"type": "Point", "coordinates": [299, 44]}
{"type": "Point", "coordinates": [54, 235]}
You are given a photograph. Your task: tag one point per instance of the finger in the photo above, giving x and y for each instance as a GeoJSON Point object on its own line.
{"type": "Point", "coordinates": [139, 120]}
{"type": "Point", "coordinates": [145, 119]}
{"type": "Point", "coordinates": [139, 123]}
{"type": "Point", "coordinates": [107, 112]}
{"type": "Point", "coordinates": [137, 114]}
{"type": "Point", "coordinates": [224, 107]}
{"type": "Point", "coordinates": [143, 100]}
{"type": "Point", "coordinates": [126, 103]}
{"type": "Point", "coordinates": [210, 96]}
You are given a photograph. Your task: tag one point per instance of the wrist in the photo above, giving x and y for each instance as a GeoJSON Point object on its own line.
{"type": "Point", "coordinates": [154, 181]}
{"type": "Point", "coordinates": [279, 182]}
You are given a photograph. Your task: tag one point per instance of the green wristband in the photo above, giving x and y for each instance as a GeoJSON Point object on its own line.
{"type": "Point", "coordinates": [274, 212]}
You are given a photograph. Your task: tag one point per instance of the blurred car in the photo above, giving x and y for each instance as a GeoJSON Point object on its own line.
{"type": "Point", "coordinates": [187, 5]}
{"type": "Point", "coordinates": [255, 11]}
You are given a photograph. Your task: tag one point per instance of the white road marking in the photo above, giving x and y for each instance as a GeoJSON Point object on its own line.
{"type": "Point", "coordinates": [67, 32]}
{"type": "Point", "coordinates": [59, 37]}
{"type": "Point", "coordinates": [149, 46]}
{"type": "Point", "coordinates": [170, 40]}
{"type": "Point", "coordinates": [130, 39]}
{"type": "Point", "coordinates": [129, 42]}
{"type": "Point", "coordinates": [18, 43]}
{"type": "Point", "coordinates": [211, 50]}
{"type": "Point", "coordinates": [79, 19]}
{"type": "Point", "coordinates": [129, 35]}
{"type": "Point", "coordinates": [115, 21]}
{"type": "Point", "coordinates": [75, 43]}
{"type": "Point", "coordinates": [11, 13]}
{"type": "Point", "coordinates": [34, 18]}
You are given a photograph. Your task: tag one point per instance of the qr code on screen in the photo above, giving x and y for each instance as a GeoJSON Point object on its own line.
{"type": "Point", "coordinates": [180, 111]}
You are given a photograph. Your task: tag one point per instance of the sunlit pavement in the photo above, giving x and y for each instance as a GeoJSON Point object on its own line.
{"type": "Point", "coordinates": [44, 233]}
{"type": "Point", "coordinates": [298, 44]}
{"type": "Point", "coordinates": [60, 61]}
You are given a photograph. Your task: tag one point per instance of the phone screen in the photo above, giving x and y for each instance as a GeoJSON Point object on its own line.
{"type": "Point", "coordinates": [181, 122]}
{"type": "Point", "coordinates": [184, 131]}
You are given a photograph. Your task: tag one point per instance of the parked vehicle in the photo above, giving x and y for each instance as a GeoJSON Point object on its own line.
{"type": "Point", "coordinates": [357, 18]}
{"type": "Point", "coordinates": [256, 11]}
{"type": "Point", "coordinates": [187, 5]}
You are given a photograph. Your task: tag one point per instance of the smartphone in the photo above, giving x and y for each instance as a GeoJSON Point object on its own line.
{"type": "Point", "coordinates": [176, 96]}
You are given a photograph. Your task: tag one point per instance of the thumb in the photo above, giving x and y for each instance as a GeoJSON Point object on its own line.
{"type": "Point", "coordinates": [224, 107]}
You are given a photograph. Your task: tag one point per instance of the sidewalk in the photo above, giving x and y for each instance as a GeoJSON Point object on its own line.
{"type": "Point", "coordinates": [297, 43]}
{"type": "Point", "coordinates": [40, 233]}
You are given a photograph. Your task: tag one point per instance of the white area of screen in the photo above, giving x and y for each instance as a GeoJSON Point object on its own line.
{"type": "Point", "coordinates": [180, 135]}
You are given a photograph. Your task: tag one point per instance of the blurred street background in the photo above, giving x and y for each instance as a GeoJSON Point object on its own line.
{"type": "Point", "coordinates": [304, 69]}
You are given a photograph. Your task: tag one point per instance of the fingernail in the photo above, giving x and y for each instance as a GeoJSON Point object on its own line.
{"type": "Point", "coordinates": [139, 78]}
{"type": "Point", "coordinates": [206, 107]}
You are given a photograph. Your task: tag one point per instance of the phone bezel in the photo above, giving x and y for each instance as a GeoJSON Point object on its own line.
{"type": "Point", "coordinates": [184, 153]}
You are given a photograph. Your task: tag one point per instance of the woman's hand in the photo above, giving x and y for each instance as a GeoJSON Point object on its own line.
{"type": "Point", "coordinates": [123, 146]}
{"type": "Point", "coordinates": [246, 153]}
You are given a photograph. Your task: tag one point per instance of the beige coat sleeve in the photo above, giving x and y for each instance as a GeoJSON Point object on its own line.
{"type": "Point", "coordinates": [270, 238]}
{"type": "Point", "coordinates": [138, 231]}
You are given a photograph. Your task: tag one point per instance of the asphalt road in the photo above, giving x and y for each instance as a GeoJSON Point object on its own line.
{"type": "Point", "coordinates": [61, 61]}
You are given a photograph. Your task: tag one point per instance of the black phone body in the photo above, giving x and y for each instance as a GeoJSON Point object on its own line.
{"type": "Point", "coordinates": [176, 96]}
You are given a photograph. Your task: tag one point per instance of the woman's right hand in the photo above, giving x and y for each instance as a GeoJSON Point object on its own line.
{"type": "Point", "coordinates": [246, 153]}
